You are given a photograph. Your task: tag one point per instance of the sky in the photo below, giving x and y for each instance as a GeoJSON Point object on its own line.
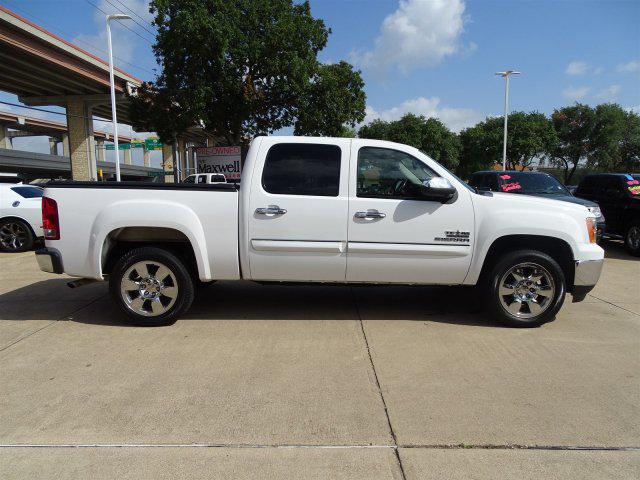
{"type": "Point", "coordinates": [431, 57]}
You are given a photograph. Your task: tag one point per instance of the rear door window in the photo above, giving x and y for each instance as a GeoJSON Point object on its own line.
{"type": "Point", "coordinates": [302, 169]}
{"type": "Point", "coordinates": [28, 191]}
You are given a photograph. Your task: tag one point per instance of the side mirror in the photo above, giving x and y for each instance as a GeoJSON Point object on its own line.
{"type": "Point", "coordinates": [437, 189]}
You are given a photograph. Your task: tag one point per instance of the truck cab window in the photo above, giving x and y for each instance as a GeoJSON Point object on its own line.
{"type": "Point", "coordinates": [302, 169]}
{"type": "Point", "coordinates": [384, 173]}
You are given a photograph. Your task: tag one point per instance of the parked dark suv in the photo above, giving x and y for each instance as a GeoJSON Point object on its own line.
{"type": "Point", "coordinates": [538, 184]}
{"type": "Point", "coordinates": [618, 195]}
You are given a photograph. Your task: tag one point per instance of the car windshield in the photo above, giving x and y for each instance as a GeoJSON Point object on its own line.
{"type": "Point", "coordinates": [633, 185]}
{"type": "Point", "coordinates": [28, 191]}
{"type": "Point", "coordinates": [531, 183]}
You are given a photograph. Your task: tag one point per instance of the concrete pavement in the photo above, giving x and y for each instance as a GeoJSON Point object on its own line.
{"type": "Point", "coordinates": [316, 382]}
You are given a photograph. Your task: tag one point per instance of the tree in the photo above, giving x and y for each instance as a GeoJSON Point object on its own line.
{"type": "Point", "coordinates": [480, 148]}
{"type": "Point", "coordinates": [243, 68]}
{"type": "Point", "coordinates": [615, 139]}
{"type": "Point", "coordinates": [430, 136]}
{"type": "Point", "coordinates": [333, 99]}
{"type": "Point", "coordinates": [377, 129]}
{"type": "Point", "coordinates": [574, 127]}
{"type": "Point", "coordinates": [529, 137]}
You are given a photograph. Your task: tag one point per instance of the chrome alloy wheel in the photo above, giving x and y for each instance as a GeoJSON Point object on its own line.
{"type": "Point", "coordinates": [149, 288]}
{"type": "Point", "coordinates": [633, 237]}
{"type": "Point", "coordinates": [13, 236]}
{"type": "Point", "coordinates": [526, 290]}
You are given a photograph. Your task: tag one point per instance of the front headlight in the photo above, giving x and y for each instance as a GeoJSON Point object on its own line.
{"type": "Point", "coordinates": [597, 212]}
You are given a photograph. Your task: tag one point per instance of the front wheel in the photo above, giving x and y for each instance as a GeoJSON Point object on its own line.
{"type": "Point", "coordinates": [152, 286]}
{"type": "Point", "coordinates": [632, 239]}
{"type": "Point", "coordinates": [525, 288]}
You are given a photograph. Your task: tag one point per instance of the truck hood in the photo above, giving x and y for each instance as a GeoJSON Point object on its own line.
{"type": "Point", "coordinates": [551, 201]}
{"type": "Point", "coordinates": [568, 198]}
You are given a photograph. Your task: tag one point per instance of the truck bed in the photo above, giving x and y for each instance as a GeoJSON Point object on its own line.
{"type": "Point", "coordinates": [94, 214]}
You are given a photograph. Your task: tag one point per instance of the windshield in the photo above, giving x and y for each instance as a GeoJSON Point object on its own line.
{"type": "Point", "coordinates": [531, 183]}
{"type": "Point", "coordinates": [633, 185]}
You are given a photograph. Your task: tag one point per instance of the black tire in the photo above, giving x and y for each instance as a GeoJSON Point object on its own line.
{"type": "Point", "coordinates": [15, 235]}
{"type": "Point", "coordinates": [631, 240]}
{"type": "Point", "coordinates": [496, 303]}
{"type": "Point", "coordinates": [178, 275]}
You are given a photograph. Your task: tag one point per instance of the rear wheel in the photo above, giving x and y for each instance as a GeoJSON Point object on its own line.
{"type": "Point", "coordinates": [632, 239]}
{"type": "Point", "coordinates": [152, 286]}
{"type": "Point", "coordinates": [15, 235]}
{"type": "Point", "coordinates": [525, 288]}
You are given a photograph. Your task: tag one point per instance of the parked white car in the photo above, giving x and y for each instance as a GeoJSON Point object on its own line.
{"type": "Point", "coordinates": [20, 216]}
{"type": "Point", "coordinates": [333, 210]}
{"type": "Point", "coordinates": [206, 178]}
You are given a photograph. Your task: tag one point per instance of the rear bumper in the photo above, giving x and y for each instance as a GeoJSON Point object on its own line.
{"type": "Point", "coordinates": [586, 276]}
{"type": "Point", "coordinates": [49, 260]}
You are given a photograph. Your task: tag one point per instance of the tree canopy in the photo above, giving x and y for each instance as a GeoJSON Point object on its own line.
{"type": "Point", "coordinates": [243, 68]}
{"type": "Point", "coordinates": [429, 135]}
{"type": "Point", "coordinates": [574, 126]}
{"type": "Point", "coordinates": [530, 137]}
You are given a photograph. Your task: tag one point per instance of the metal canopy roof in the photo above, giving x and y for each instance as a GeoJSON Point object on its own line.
{"type": "Point", "coordinates": [43, 69]}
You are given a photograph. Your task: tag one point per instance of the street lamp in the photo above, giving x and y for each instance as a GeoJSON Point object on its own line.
{"type": "Point", "coordinates": [119, 16]}
{"type": "Point", "coordinates": [506, 76]}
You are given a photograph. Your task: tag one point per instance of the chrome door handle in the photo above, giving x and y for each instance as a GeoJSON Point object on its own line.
{"type": "Point", "coordinates": [270, 210]}
{"type": "Point", "coordinates": [371, 213]}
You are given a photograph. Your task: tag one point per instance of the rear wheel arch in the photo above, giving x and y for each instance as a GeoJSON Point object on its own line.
{"type": "Point", "coordinates": [120, 241]}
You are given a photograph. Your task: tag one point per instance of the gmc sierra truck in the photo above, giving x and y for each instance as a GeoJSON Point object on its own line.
{"type": "Point", "coordinates": [332, 210]}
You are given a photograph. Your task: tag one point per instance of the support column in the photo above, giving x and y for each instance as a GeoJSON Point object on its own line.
{"type": "Point", "coordinates": [147, 157]}
{"type": "Point", "coordinates": [65, 145]}
{"type": "Point", "coordinates": [81, 142]}
{"type": "Point", "coordinates": [5, 139]}
{"type": "Point", "coordinates": [127, 156]}
{"type": "Point", "coordinates": [53, 146]}
{"type": "Point", "coordinates": [167, 162]}
{"type": "Point", "coordinates": [102, 154]}
{"type": "Point", "coordinates": [182, 155]}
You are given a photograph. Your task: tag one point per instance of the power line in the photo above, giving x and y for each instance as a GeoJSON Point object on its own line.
{"type": "Point", "coordinates": [123, 24]}
{"type": "Point", "coordinates": [134, 13]}
{"type": "Point", "coordinates": [78, 40]}
{"type": "Point", "coordinates": [131, 18]}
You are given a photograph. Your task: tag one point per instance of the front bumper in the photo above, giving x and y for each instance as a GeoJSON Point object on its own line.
{"type": "Point", "coordinates": [49, 260]}
{"type": "Point", "coordinates": [587, 273]}
{"type": "Point", "coordinates": [601, 229]}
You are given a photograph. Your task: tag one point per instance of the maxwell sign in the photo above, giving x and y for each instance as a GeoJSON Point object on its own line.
{"type": "Point", "coordinates": [225, 160]}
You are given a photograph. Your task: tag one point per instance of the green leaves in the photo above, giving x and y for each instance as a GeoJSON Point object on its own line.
{"type": "Point", "coordinates": [333, 99]}
{"type": "Point", "coordinates": [428, 135]}
{"type": "Point", "coordinates": [605, 138]}
{"type": "Point", "coordinates": [245, 68]}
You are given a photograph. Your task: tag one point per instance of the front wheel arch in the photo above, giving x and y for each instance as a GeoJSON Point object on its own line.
{"type": "Point", "coordinates": [555, 247]}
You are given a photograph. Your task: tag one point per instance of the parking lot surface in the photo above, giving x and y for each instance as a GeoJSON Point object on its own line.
{"type": "Point", "coordinates": [317, 382]}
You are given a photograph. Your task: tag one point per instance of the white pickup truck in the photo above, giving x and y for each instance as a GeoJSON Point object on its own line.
{"type": "Point", "coordinates": [333, 210]}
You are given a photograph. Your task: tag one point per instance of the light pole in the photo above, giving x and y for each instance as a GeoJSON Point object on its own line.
{"type": "Point", "coordinates": [506, 76]}
{"type": "Point", "coordinates": [119, 16]}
